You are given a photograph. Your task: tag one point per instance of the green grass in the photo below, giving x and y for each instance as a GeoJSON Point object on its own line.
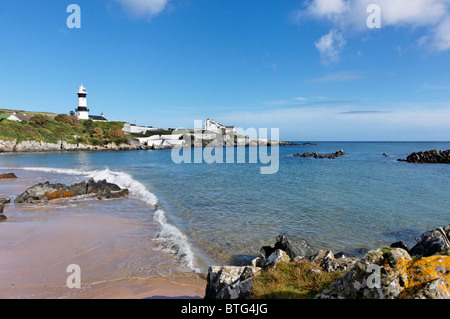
{"type": "Point", "coordinates": [8, 112]}
{"type": "Point", "coordinates": [50, 130]}
{"type": "Point", "coordinates": [291, 280]}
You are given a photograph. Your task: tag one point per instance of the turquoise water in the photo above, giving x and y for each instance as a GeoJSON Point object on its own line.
{"type": "Point", "coordinates": [223, 213]}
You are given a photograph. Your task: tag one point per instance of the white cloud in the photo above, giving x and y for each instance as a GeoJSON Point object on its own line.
{"type": "Point", "coordinates": [349, 16]}
{"type": "Point", "coordinates": [330, 46]}
{"type": "Point", "coordinates": [147, 8]}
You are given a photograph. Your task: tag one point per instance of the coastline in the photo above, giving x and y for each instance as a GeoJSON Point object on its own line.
{"type": "Point", "coordinates": [40, 241]}
{"type": "Point", "coordinates": [62, 146]}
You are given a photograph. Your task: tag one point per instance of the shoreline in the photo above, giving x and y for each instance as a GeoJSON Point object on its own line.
{"type": "Point", "coordinates": [24, 147]}
{"type": "Point", "coordinates": [39, 241]}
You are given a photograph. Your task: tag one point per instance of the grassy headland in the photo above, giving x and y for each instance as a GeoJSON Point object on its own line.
{"type": "Point", "coordinates": [62, 127]}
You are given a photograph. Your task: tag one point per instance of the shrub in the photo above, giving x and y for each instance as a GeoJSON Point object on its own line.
{"type": "Point", "coordinates": [69, 119]}
{"type": "Point", "coordinates": [116, 132]}
{"type": "Point", "coordinates": [39, 120]}
{"type": "Point", "coordinates": [97, 133]}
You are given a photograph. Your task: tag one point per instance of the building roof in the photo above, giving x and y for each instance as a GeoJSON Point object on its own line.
{"type": "Point", "coordinates": [20, 117]}
{"type": "Point", "coordinates": [98, 118]}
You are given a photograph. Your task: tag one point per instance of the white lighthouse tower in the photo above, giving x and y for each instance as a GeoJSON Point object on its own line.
{"type": "Point", "coordinates": [82, 110]}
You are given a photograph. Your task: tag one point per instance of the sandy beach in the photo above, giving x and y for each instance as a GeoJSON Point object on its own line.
{"type": "Point", "coordinates": [118, 256]}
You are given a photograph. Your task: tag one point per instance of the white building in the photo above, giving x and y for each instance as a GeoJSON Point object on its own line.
{"type": "Point", "coordinates": [131, 128]}
{"type": "Point", "coordinates": [216, 127]}
{"type": "Point", "coordinates": [18, 117]}
{"type": "Point", "coordinates": [82, 111]}
{"type": "Point", "coordinates": [174, 140]}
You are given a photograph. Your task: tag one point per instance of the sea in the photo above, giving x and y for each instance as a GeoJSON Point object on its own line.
{"type": "Point", "coordinates": [204, 213]}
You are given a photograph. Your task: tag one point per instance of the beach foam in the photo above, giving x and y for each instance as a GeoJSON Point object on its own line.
{"type": "Point", "coordinates": [170, 237]}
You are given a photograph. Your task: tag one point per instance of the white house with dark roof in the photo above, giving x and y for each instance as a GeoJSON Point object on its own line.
{"type": "Point", "coordinates": [82, 111]}
{"type": "Point", "coordinates": [18, 117]}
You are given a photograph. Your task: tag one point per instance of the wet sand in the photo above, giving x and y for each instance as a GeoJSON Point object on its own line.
{"type": "Point", "coordinates": [118, 256]}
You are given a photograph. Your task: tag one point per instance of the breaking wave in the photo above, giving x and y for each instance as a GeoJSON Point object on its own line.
{"type": "Point", "coordinates": [170, 237]}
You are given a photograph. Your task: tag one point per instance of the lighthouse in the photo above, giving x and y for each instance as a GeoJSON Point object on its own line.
{"type": "Point", "coordinates": [82, 110]}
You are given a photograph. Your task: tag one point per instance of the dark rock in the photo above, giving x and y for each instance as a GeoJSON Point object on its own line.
{"type": "Point", "coordinates": [429, 157]}
{"type": "Point", "coordinates": [315, 155]}
{"type": "Point", "coordinates": [432, 242]}
{"type": "Point", "coordinates": [385, 155]}
{"type": "Point", "coordinates": [43, 192]}
{"type": "Point", "coordinates": [8, 176]}
{"type": "Point", "coordinates": [2, 218]}
{"type": "Point", "coordinates": [294, 247]}
{"type": "Point", "coordinates": [106, 193]}
{"type": "Point", "coordinates": [94, 187]}
{"type": "Point", "coordinates": [400, 244]}
{"type": "Point", "coordinates": [3, 201]}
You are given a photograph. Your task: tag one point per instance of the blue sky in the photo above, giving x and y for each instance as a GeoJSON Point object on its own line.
{"type": "Point", "coordinates": [312, 68]}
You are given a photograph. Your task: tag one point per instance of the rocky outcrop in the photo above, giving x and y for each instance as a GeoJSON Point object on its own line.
{"type": "Point", "coordinates": [230, 282]}
{"type": "Point", "coordinates": [43, 192]}
{"type": "Point", "coordinates": [8, 176]}
{"type": "Point", "coordinates": [391, 273]}
{"type": "Point", "coordinates": [429, 157]}
{"type": "Point", "coordinates": [396, 272]}
{"type": "Point", "coordinates": [35, 146]}
{"type": "Point", "coordinates": [316, 155]}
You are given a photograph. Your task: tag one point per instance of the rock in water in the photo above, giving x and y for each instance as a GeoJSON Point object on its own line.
{"type": "Point", "coordinates": [315, 155]}
{"type": "Point", "coordinates": [45, 191]}
{"type": "Point", "coordinates": [8, 176]}
{"type": "Point", "coordinates": [428, 157]}
{"type": "Point", "coordinates": [432, 242]}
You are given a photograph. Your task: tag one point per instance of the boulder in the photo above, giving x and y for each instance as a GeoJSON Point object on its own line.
{"type": "Point", "coordinates": [43, 192]}
{"type": "Point", "coordinates": [400, 244]}
{"type": "Point", "coordinates": [329, 262]}
{"type": "Point", "coordinates": [432, 242]}
{"type": "Point", "coordinates": [108, 194]}
{"type": "Point", "coordinates": [391, 273]}
{"type": "Point", "coordinates": [230, 282]}
{"type": "Point", "coordinates": [8, 176]}
{"type": "Point", "coordinates": [275, 258]}
{"type": "Point", "coordinates": [100, 186]}
{"type": "Point", "coordinates": [46, 191]}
